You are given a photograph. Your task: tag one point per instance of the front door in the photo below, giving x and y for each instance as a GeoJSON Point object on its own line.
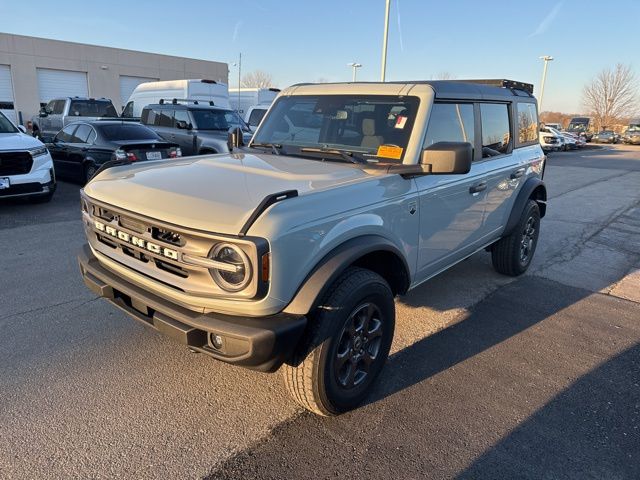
{"type": "Point", "coordinates": [451, 206]}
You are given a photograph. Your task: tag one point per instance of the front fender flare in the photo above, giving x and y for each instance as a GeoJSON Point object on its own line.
{"type": "Point", "coordinates": [333, 264]}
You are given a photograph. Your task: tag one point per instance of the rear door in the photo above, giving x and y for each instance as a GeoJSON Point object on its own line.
{"type": "Point", "coordinates": [506, 166]}
{"type": "Point", "coordinates": [59, 149]}
{"type": "Point", "coordinates": [451, 206]}
{"type": "Point", "coordinates": [77, 150]}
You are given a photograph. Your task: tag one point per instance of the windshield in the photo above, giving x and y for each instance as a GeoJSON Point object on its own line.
{"type": "Point", "coordinates": [371, 125]}
{"type": "Point", "coordinates": [92, 108]}
{"type": "Point", "coordinates": [127, 132]}
{"type": "Point", "coordinates": [6, 126]}
{"type": "Point", "coordinates": [217, 119]}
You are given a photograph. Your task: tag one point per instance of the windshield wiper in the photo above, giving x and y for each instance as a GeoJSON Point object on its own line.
{"type": "Point", "coordinates": [275, 147]}
{"type": "Point", "coordinates": [344, 154]}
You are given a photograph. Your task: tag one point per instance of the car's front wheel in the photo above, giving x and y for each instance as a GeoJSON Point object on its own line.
{"type": "Point", "coordinates": [346, 346]}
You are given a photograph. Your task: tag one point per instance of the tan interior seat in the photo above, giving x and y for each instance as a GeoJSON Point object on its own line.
{"type": "Point", "coordinates": [369, 137]}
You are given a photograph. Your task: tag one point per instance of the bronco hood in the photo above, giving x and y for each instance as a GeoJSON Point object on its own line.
{"type": "Point", "coordinates": [214, 193]}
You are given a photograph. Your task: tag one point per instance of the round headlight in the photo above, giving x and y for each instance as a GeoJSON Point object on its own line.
{"type": "Point", "coordinates": [236, 273]}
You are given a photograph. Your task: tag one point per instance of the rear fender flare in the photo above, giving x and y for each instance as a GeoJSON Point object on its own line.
{"type": "Point", "coordinates": [533, 188]}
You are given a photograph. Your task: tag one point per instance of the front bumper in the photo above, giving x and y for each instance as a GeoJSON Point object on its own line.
{"type": "Point", "coordinates": [262, 343]}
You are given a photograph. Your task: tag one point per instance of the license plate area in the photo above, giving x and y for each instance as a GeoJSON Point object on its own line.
{"type": "Point", "coordinates": [154, 155]}
{"type": "Point", "coordinates": [4, 183]}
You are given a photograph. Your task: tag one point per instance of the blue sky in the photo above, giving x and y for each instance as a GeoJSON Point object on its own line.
{"type": "Point", "coordinates": [304, 40]}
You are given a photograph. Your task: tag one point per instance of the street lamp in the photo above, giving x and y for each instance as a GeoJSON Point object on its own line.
{"type": "Point", "coordinates": [383, 69]}
{"type": "Point", "coordinates": [547, 59]}
{"type": "Point", "coordinates": [355, 66]}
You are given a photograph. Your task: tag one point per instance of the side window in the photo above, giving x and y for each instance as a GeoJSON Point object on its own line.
{"type": "Point", "coordinates": [256, 116]}
{"type": "Point", "coordinates": [58, 107]}
{"type": "Point", "coordinates": [127, 111]}
{"type": "Point", "coordinates": [451, 122]}
{"type": "Point", "coordinates": [496, 135]}
{"type": "Point", "coordinates": [180, 116]}
{"type": "Point", "coordinates": [66, 134]}
{"type": "Point", "coordinates": [49, 106]}
{"type": "Point", "coordinates": [81, 134]}
{"type": "Point", "coordinates": [92, 137]}
{"type": "Point", "coordinates": [165, 118]}
{"type": "Point", "coordinates": [527, 123]}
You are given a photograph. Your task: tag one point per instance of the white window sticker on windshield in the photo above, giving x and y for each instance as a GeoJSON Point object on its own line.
{"type": "Point", "coordinates": [401, 121]}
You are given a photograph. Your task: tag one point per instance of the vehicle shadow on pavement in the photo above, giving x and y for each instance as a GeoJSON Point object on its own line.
{"type": "Point", "coordinates": [593, 426]}
{"type": "Point", "coordinates": [492, 321]}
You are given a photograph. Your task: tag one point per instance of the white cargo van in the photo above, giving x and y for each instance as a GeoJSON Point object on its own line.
{"type": "Point", "coordinates": [252, 103]}
{"type": "Point", "coordinates": [193, 89]}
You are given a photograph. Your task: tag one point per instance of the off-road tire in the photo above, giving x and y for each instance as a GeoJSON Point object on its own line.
{"type": "Point", "coordinates": [310, 376]}
{"type": "Point", "coordinates": [506, 254]}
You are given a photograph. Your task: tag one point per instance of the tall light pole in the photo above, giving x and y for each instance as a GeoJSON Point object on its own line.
{"type": "Point", "coordinates": [383, 69]}
{"type": "Point", "coordinates": [547, 59]}
{"type": "Point", "coordinates": [239, 65]}
{"type": "Point", "coordinates": [355, 66]}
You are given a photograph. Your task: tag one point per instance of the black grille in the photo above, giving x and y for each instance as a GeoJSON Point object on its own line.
{"type": "Point", "coordinates": [21, 189]}
{"type": "Point", "coordinates": [15, 163]}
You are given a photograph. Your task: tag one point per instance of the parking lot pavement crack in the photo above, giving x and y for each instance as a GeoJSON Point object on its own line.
{"type": "Point", "coordinates": [572, 247]}
{"type": "Point", "coordinates": [46, 307]}
{"type": "Point", "coordinates": [595, 182]}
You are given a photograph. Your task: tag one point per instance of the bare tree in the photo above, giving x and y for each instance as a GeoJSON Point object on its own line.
{"type": "Point", "coordinates": [612, 94]}
{"type": "Point", "coordinates": [257, 79]}
{"type": "Point", "coordinates": [445, 76]}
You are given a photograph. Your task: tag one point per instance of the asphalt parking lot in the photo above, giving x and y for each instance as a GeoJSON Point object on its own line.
{"type": "Point", "coordinates": [490, 377]}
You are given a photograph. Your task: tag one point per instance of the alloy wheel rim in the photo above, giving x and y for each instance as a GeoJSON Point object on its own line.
{"type": "Point", "coordinates": [359, 346]}
{"type": "Point", "coordinates": [527, 240]}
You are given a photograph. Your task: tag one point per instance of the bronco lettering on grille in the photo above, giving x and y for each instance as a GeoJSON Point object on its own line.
{"type": "Point", "coordinates": [136, 241]}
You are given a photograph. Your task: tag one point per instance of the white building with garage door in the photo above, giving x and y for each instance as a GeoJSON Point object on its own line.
{"type": "Point", "coordinates": [35, 70]}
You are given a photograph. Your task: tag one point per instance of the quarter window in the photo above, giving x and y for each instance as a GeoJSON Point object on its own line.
{"type": "Point", "coordinates": [527, 123]}
{"type": "Point", "coordinates": [496, 135]}
{"type": "Point", "coordinates": [450, 122]}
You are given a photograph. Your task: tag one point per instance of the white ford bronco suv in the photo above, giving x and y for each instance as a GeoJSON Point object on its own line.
{"type": "Point", "coordinates": [288, 253]}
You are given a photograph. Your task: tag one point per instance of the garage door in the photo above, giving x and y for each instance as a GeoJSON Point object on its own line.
{"type": "Point", "coordinates": [61, 83]}
{"type": "Point", "coordinates": [6, 93]}
{"type": "Point", "coordinates": [128, 85]}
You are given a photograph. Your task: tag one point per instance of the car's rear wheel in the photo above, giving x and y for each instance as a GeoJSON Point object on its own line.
{"type": "Point", "coordinates": [89, 171]}
{"type": "Point", "coordinates": [346, 346]}
{"type": "Point", "coordinates": [512, 254]}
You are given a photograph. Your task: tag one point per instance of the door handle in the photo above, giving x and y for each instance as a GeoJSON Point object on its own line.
{"type": "Point", "coordinates": [517, 174]}
{"type": "Point", "coordinates": [478, 188]}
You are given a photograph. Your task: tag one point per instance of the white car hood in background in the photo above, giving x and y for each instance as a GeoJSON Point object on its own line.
{"type": "Point", "coordinates": [18, 141]}
{"type": "Point", "coordinates": [213, 193]}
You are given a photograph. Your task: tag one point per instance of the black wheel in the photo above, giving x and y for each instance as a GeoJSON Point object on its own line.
{"type": "Point", "coordinates": [346, 346]}
{"type": "Point", "coordinates": [512, 254]}
{"type": "Point", "coordinates": [89, 171]}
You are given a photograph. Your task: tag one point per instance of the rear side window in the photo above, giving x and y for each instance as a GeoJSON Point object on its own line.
{"type": "Point", "coordinates": [81, 134]}
{"type": "Point", "coordinates": [527, 123]}
{"type": "Point", "coordinates": [496, 135]}
{"type": "Point", "coordinates": [165, 118]}
{"type": "Point", "coordinates": [451, 122]}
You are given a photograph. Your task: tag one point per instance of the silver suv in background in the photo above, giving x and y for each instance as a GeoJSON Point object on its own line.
{"type": "Point", "coordinates": [60, 112]}
{"type": "Point", "coordinates": [287, 254]}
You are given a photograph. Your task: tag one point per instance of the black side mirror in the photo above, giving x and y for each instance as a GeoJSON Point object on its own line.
{"type": "Point", "coordinates": [235, 139]}
{"type": "Point", "coordinates": [447, 158]}
{"type": "Point", "coordinates": [43, 112]}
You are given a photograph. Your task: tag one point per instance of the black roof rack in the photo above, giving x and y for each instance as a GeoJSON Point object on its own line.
{"type": "Point", "coordinates": [504, 83]}
{"type": "Point", "coordinates": [175, 101]}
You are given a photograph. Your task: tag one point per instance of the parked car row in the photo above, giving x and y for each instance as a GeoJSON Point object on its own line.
{"type": "Point", "coordinates": [554, 140]}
